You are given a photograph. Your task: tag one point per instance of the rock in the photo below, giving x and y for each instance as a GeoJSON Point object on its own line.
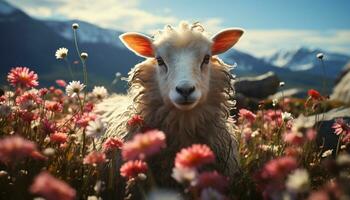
{"type": "Point", "coordinates": [341, 91]}
{"type": "Point", "coordinates": [325, 132]}
{"type": "Point", "coordinates": [293, 92]}
{"type": "Point", "coordinates": [258, 87]}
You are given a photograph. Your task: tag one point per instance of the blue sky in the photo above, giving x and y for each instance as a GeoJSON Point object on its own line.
{"type": "Point", "coordinates": [270, 24]}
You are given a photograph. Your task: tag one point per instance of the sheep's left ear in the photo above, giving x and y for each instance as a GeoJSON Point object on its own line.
{"type": "Point", "coordinates": [225, 39]}
{"type": "Point", "coordinates": [138, 43]}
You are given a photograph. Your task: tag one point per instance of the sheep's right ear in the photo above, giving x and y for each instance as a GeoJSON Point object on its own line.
{"type": "Point", "coordinates": [138, 43]}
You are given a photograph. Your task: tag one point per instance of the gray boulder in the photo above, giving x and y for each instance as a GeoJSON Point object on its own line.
{"type": "Point", "coordinates": [341, 91]}
{"type": "Point", "coordinates": [258, 87]}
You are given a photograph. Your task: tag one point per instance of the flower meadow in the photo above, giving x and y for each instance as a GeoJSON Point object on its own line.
{"type": "Point", "coordinates": [49, 148]}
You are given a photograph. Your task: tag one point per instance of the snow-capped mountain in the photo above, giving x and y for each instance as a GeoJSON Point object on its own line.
{"type": "Point", "coordinates": [88, 33]}
{"type": "Point", "coordinates": [304, 59]}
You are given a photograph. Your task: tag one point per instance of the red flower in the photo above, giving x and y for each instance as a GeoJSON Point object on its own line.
{"type": "Point", "coordinates": [144, 145]}
{"type": "Point", "coordinates": [194, 156]}
{"type": "Point", "coordinates": [94, 158]}
{"type": "Point", "coordinates": [51, 188]}
{"type": "Point", "coordinates": [131, 169]}
{"type": "Point", "coordinates": [212, 180]}
{"type": "Point", "coordinates": [15, 148]}
{"type": "Point", "coordinates": [61, 83]}
{"type": "Point", "coordinates": [247, 114]}
{"type": "Point", "coordinates": [58, 137]}
{"type": "Point", "coordinates": [314, 94]}
{"type": "Point", "coordinates": [111, 144]}
{"type": "Point", "coordinates": [135, 120]}
{"type": "Point", "coordinates": [22, 77]}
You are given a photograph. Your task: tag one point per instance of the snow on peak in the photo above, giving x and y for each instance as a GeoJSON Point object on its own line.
{"type": "Point", "coordinates": [86, 33]}
{"type": "Point", "coordinates": [6, 8]}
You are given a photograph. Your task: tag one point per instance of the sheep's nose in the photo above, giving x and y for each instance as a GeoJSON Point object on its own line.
{"type": "Point", "coordinates": [185, 90]}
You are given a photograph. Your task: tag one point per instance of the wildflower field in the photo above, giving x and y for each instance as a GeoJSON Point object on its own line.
{"type": "Point", "coordinates": [50, 148]}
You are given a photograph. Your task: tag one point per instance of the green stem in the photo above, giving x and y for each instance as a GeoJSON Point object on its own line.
{"type": "Point", "coordinates": [69, 67]}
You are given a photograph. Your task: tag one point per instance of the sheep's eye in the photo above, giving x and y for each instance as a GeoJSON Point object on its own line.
{"type": "Point", "coordinates": [205, 60]}
{"type": "Point", "coordinates": [160, 61]}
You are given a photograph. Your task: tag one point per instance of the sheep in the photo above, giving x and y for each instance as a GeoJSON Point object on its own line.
{"type": "Point", "coordinates": [182, 89]}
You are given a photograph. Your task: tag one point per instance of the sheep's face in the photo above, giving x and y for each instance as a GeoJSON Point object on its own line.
{"type": "Point", "coordinates": [183, 61]}
{"type": "Point", "coordinates": [183, 70]}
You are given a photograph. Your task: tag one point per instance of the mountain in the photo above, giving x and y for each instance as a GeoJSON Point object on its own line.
{"type": "Point", "coordinates": [304, 59]}
{"type": "Point", "coordinates": [88, 33]}
{"type": "Point", "coordinates": [248, 65]}
{"type": "Point", "coordinates": [26, 41]}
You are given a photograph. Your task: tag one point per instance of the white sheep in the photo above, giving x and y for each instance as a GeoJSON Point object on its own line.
{"type": "Point", "coordinates": [183, 89]}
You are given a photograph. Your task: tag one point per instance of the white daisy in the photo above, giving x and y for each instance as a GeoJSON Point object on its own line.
{"type": "Point", "coordinates": [327, 153]}
{"type": "Point", "coordinates": [75, 26]}
{"type": "Point", "coordinates": [320, 56]}
{"type": "Point", "coordinates": [74, 88]}
{"type": "Point", "coordinates": [96, 128]}
{"type": "Point", "coordinates": [61, 53]}
{"type": "Point", "coordinates": [286, 116]}
{"type": "Point", "coordinates": [84, 55]}
{"type": "Point", "coordinates": [183, 175]}
{"type": "Point", "coordinates": [298, 181]}
{"type": "Point", "coordinates": [274, 102]}
{"type": "Point", "coordinates": [99, 92]}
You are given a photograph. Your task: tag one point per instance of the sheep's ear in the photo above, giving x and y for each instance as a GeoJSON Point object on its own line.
{"type": "Point", "coordinates": [138, 43]}
{"type": "Point", "coordinates": [225, 39]}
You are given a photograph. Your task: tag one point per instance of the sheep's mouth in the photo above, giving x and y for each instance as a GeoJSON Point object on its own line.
{"type": "Point", "coordinates": [185, 104]}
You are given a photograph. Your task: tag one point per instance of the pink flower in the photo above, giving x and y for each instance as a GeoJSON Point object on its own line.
{"type": "Point", "coordinates": [194, 156]}
{"type": "Point", "coordinates": [48, 126]}
{"type": "Point", "coordinates": [294, 138]}
{"type": "Point", "coordinates": [341, 127]}
{"type": "Point", "coordinates": [311, 134]}
{"type": "Point", "coordinates": [58, 137]}
{"type": "Point", "coordinates": [144, 145]}
{"type": "Point", "coordinates": [111, 144]}
{"type": "Point", "coordinates": [51, 188]}
{"type": "Point", "coordinates": [89, 106]}
{"type": "Point", "coordinates": [212, 180]}
{"type": "Point", "coordinates": [132, 168]}
{"type": "Point", "coordinates": [61, 83]}
{"type": "Point", "coordinates": [94, 158]}
{"type": "Point", "coordinates": [83, 120]}
{"type": "Point", "coordinates": [15, 148]}
{"type": "Point", "coordinates": [278, 168]}
{"type": "Point", "coordinates": [53, 106]}
{"type": "Point", "coordinates": [28, 101]}
{"type": "Point", "coordinates": [247, 114]}
{"type": "Point", "coordinates": [135, 120]}
{"type": "Point", "coordinates": [22, 77]}
{"type": "Point", "coordinates": [43, 91]}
